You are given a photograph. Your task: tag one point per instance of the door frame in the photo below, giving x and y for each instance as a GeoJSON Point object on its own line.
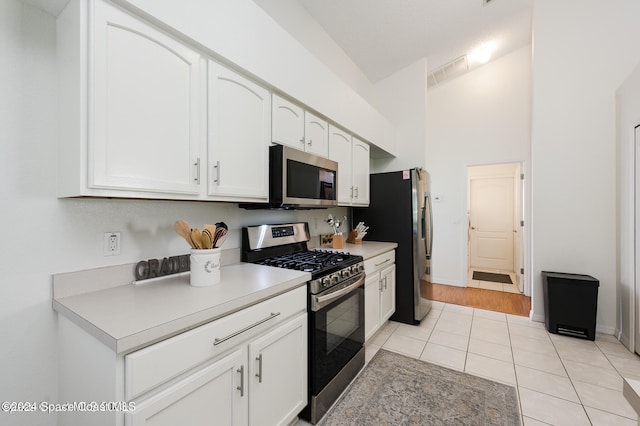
{"type": "Point", "coordinates": [521, 210]}
{"type": "Point", "coordinates": [634, 331]}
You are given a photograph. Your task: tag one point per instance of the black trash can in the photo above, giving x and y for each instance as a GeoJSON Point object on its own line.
{"type": "Point", "coordinates": [570, 304]}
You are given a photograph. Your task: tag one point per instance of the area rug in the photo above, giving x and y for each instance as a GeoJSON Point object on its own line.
{"type": "Point", "coordinates": [397, 390]}
{"type": "Point", "coordinates": [489, 276]}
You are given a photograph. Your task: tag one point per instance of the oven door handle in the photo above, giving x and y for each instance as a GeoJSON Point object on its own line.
{"type": "Point", "coordinates": [322, 301]}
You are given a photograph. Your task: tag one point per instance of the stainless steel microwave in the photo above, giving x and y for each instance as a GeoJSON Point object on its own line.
{"type": "Point", "coordinates": [298, 179]}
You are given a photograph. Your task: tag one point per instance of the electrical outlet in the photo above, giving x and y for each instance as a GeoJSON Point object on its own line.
{"type": "Point", "coordinates": [111, 244]}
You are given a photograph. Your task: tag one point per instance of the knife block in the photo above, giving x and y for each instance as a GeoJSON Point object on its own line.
{"type": "Point", "coordinates": [353, 238]}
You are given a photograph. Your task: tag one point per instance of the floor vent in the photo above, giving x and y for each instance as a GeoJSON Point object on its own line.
{"type": "Point", "coordinates": [449, 70]}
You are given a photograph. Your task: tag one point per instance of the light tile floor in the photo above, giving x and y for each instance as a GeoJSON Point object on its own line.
{"type": "Point", "coordinates": [560, 380]}
{"type": "Point", "coordinates": [487, 285]}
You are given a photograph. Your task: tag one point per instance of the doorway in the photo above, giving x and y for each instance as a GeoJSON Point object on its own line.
{"type": "Point", "coordinates": [494, 234]}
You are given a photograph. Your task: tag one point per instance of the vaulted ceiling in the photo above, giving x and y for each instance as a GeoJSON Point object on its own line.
{"type": "Point", "coordinates": [384, 36]}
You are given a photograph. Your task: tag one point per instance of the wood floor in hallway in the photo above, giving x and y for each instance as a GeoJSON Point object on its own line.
{"type": "Point", "coordinates": [509, 303]}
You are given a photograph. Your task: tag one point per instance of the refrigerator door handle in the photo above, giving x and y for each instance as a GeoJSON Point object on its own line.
{"type": "Point", "coordinates": [427, 227]}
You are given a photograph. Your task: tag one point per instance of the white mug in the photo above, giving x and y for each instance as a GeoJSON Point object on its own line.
{"type": "Point", "coordinates": [205, 267]}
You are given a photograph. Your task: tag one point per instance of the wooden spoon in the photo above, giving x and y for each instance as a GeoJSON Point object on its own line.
{"type": "Point", "coordinates": [206, 240]}
{"type": "Point", "coordinates": [196, 238]}
{"type": "Point", "coordinates": [184, 230]}
{"type": "Point", "coordinates": [211, 229]}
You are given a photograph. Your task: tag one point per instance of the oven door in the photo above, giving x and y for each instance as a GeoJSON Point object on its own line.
{"type": "Point", "coordinates": [336, 330]}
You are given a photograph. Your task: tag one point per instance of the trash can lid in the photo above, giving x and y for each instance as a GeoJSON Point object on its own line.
{"type": "Point", "coordinates": [568, 276]}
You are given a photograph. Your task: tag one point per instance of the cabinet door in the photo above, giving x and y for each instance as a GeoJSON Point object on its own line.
{"type": "Point", "coordinates": [214, 395]}
{"type": "Point", "coordinates": [145, 112]}
{"type": "Point", "coordinates": [239, 137]}
{"type": "Point", "coordinates": [371, 305]}
{"type": "Point", "coordinates": [316, 132]}
{"type": "Point", "coordinates": [360, 172]}
{"type": "Point", "coordinates": [340, 151]}
{"type": "Point", "coordinates": [288, 123]}
{"type": "Point", "coordinates": [388, 293]}
{"type": "Point", "coordinates": [278, 374]}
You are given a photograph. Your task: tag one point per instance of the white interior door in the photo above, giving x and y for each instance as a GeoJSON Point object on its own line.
{"type": "Point", "coordinates": [491, 223]}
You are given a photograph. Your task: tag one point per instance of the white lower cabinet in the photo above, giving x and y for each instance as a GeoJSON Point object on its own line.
{"type": "Point", "coordinates": [259, 383]}
{"type": "Point", "coordinates": [212, 395]}
{"type": "Point", "coordinates": [379, 292]}
{"type": "Point", "coordinates": [277, 390]}
{"type": "Point", "coordinates": [246, 368]}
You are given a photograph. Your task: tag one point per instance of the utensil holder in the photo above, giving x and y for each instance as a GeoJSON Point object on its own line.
{"type": "Point", "coordinates": [338, 241]}
{"type": "Point", "coordinates": [205, 267]}
{"type": "Point", "coordinates": [353, 238]}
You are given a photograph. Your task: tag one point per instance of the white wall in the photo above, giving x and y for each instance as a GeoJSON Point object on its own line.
{"type": "Point", "coordinates": [583, 50]}
{"type": "Point", "coordinates": [402, 98]}
{"type": "Point", "coordinates": [44, 235]}
{"type": "Point", "coordinates": [293, 17]}
{"type": "Point", "coordinates": [627, 118]}
{"type": "Point", "coordinates": [482, 117]}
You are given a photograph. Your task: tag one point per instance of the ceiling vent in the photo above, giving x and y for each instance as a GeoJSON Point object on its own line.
{"type": "Point", "coordinates": [487, 2]}
{"type": "Point", "coordinates": [449, 70]}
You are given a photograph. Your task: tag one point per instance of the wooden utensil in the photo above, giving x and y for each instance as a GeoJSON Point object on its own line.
{"type": "Point", "coordinates": [210, 230]}
{"type": "Point", "coordinates": [206, 240]}
{"type": "Point", "coordinates": [196, 238]}
{"type": "Point", "coordinates": [184, 230]}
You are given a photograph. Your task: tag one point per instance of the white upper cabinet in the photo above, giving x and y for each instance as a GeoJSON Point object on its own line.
{"type": "Point", "coordinates": [288, 123]}
{"type": "Point", "coordinates": [340, 151]}
{"type": "Point", "coordinates": [239, 137]}
{"type": "Point", "coordinates": [316, 131]}
{"type": "Point", "coordinates": [360, 172]}
{"type": "Point", "coordinates": [352, 156]}
{"type": "Point", "coordinates": [142, 102]}
{"type": "Point", "coordinates": [297, 128]}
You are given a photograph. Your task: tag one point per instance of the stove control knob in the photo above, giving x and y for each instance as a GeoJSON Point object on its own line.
{"type": "Point", "coordinates": [325, 282]}
{"type": "Point", "coordinates": [335, 278]}
{"type": "Point", "coordinates": [346, 273]}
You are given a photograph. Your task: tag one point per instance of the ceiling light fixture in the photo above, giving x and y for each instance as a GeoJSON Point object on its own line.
{"type": "Point", "coordinates": [483, 53]}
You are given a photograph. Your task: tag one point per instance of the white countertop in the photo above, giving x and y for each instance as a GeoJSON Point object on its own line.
{"type": "Point", "coordinates": [129, 317]}
{"type": "Point", "coordinates": [367, 249]}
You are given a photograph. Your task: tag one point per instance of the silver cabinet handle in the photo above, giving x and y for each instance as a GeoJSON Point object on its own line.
{"type": "Point", "coordinates": [217, 167]}
{"type": "Point", "coordinates": [302, 140]}
{"type": "Point", "coordinates": [385, 283]}
{"type": "Point", "coordinates": [356, 192]}
{"type": "Point", "coordinates": [259, 373]}
{"type": "Point", "coordinates": [310, 142]}
{"type": "Point", "coordinates": [241, 387]}
{"type": "Point", "coordinates": [197, 178]}
{"type": "Point", "coordinates": [217, 341]}
{"type": "Point", "coordinates": [351, 191]}
{"type": "Point", "coordinates": [383, 262]}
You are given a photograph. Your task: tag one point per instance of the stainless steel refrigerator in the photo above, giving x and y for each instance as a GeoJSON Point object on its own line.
{"type": "Point", "coordinates": [400, 211]}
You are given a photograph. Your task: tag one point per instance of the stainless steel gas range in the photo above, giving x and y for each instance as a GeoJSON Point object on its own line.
{"type": "Point", "coordinates": [335, 305]}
